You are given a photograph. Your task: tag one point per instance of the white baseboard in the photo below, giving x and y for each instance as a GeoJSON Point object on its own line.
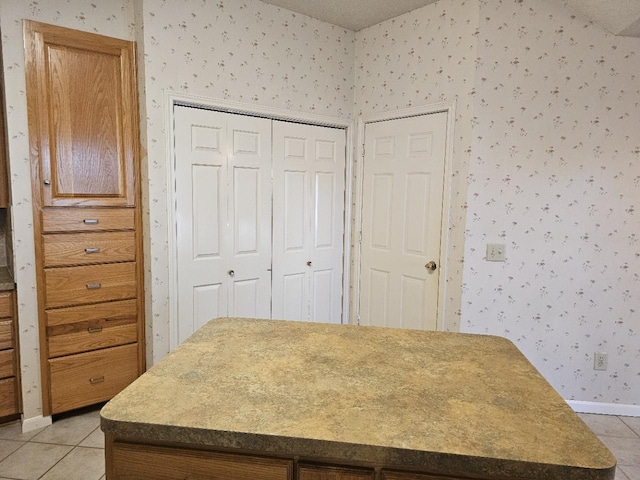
{"type": "Point", "coordinates": [34, 423]}
{"type": "Point", "coordinates": [605, 408]}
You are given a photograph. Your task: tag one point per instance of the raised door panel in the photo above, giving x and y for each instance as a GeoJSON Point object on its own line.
{"type": "Point", "coordinates": [130, 461]}
{"type": "Point", "coordinates": [315, 472]}
{"type": "Point", "coordinates": [87, 130]}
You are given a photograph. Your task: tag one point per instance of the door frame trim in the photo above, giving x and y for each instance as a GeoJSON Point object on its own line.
{"type": "Point", "coordinates": [173, 98]}
{"type": "Point", "coordinates": [373, 117]}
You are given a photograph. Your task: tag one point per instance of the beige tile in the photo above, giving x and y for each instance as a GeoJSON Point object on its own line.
{"type": "Point", "coordinates": [13, 431]}
{"type": "Point", "coordinates": [32, 460]}
{"type": "Point", "coordinates": [69, 430]}
{"type": "Point", "coordinates": [608, 425]}
{"type": "Point", "coordinates": [80, 464]}
{"type": "Point", "coordinates": [632, 473]}
{"type": "Point", "coordinates": [7, 447]}
{"type": "Point", "coordinates": [620, 475]}
{"type": "Point", "coordinates": [626, 450]}
{"type": "Point", "coordinates": [94, 440]}
{"type": "Point", "coordinates": [633, 423]}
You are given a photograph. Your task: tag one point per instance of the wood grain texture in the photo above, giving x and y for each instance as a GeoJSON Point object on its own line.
{"type": "Point", "coordinates": [8, 397]}
{"type": "Point", "coordinates": [87, 219]}
{"type": "Point", "coordinates": [88, 378]}
{"type": "Point", "coordinates": [92, 338]}
{"type": "Point", "coordinates": [88, 248]}
{"type": "Point", "coordinates": [6, 334]}
{"type": "Point", "coordinates": [6, 304]}
{"type": "Point", "coordinates": [7, 363]}
{"type": "Point", "coordinates": [116, 313]}
{"type": "Point", "coordinates": [87, 143]}
{"type": "Point", "coordinates": [142, 462]}
{"type": "Point", "coordinates": [317, 472]}
{"type": "Point", "coordinates": [66, 286]}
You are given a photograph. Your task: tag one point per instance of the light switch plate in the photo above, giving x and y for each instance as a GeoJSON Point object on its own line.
{"type": "Point", "coordinates": [496, 252]}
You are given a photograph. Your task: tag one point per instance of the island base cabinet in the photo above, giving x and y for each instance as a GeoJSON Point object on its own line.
{"type": "Point", "coordinates": [415, 476]}
{"type": "Point", "coordinates": [314, 472]}
{"type": "Point", "coordinates": [143, 462]}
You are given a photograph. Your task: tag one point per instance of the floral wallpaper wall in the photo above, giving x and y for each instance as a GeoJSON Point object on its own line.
{"type": "Point", "coordinates": [426, 57]}
{"type": "Point", "coordinates": [239, 50]}
{"type": "Point", "coordinates": [555, 175]}
{"type": "Point", "coordinates": [114, 18]}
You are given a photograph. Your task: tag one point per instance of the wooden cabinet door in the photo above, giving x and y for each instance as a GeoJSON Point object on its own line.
{"type": "Point", "coordinates": [315, 472]}
{"type": "Point", "coordinates": [81, 91]}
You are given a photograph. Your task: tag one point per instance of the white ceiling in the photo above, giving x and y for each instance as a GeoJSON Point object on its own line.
{"type": "Point", "coordinates": [620, 17]}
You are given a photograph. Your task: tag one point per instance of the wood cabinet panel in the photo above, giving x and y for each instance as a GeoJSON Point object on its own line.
{"type": "Point", "coordinates": [8, 397]}
{"type": "Point", "coordinates": [6, 304]}
{"type": "Point", "coordinates": [87, 219]}
{"type": "Point", "coordinates": [144, 462]}
{"type": "Point", "coordinates": [315, 472]}
{"type": "Point", "coordinates": [6, 334]}
{"type": "Point", "coordinates": [87, 129]}
{"type": "Point", "coordinates": [7, 363]}
{"type": "Point", "coordinates": [63, 320]}
{"type": "Point", "coordinates": [88, 378]}
{"type": "Point", "coordinates": [89, 284]}
{"type": "Point", "coordinates": [87, 248]}
{"type": "Point", "coordinates": [92, 338]}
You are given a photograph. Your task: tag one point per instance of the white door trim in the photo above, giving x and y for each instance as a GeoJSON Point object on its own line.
{"type": "Point", "coordinates": [449, 109]}
{"type": "Point", "coordinates": [172, 98]}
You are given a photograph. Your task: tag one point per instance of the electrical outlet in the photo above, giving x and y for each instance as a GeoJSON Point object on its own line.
{"type": "Point", "coordinates": [600, 361]}
{"type": "Point", "coordinates": [496, 252]}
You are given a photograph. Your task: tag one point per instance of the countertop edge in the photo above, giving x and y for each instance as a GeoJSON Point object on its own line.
{"type": "Point", "coordinates": [391, 457]}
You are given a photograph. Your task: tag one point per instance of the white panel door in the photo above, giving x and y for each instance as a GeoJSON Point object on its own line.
{"type": "Point", "coordinates": [249, 180]}
{"type": "Point", "coordinates": [308, 222]}
{"type": "Point", "coordinates": [401, 221]}
{"type": "Point", "coordinates": [223, 216]}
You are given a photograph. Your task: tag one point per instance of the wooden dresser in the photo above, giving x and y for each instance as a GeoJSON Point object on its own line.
{"type": "Point", "coordinates": [83, 130]}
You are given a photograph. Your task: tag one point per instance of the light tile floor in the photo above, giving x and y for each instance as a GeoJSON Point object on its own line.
{"type": "Point", "coordinates": [73, 447]}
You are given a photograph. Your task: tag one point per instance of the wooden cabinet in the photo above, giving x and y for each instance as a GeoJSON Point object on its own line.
{"type": "Point", "coordinates": [83, 131]}
{"type": "Point", "coordinates": [415, 476]}
{"type": "Point", "coordinates": [9, 395]}
{"type": "Point", "coordinates": [144, 462]}
{"type": "Point", "coordinates": [321, 472]}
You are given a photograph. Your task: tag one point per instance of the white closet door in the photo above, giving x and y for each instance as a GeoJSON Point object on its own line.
{"type": "Point", "coordinates": [402, 221]}
{"type": "Point", "coordinates": [249, 140]}
{"type": "Point", "coordinates": [308, 222]}
{"type": "Point", "coordinates": [201, 217]}
{"type": "Point", "coordinates": [223, 216]}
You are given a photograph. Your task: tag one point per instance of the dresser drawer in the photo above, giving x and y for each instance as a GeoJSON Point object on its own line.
{"type": "Point", "coordinates": [89, 378]}
{"type": "Point", "coordinates": [89, 284]}
{"type": "Point", "coordinates": [92, 338]}
{"type": "Point", "coordinates": [145, 462]}
{"type": "Point", "coordinates": [65, 320]}
{"type": "Point", "coordinates": [6, 304]}
{"type": "Point", "coordinates": [87, 219]}
{"type": "Point", "coordinates": [8, 397]}
{"type": "Point", "coordinates": [7, 363]}
{"type": "Point", "coordinates": [6, 334]}
{"type": "Point", "coordinates": [86, 248]}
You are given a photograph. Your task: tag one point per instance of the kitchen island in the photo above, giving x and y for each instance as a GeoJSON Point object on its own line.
{"type": "Point", "coordinates": [257, 400]}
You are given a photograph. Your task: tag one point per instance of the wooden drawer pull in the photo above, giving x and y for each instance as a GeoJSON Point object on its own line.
{"type": "Point", "coordinates": [93, 381]}
{"type": "Point", "coordinates": [93, 286]}
{"type": "Point", "coordinates": [91, 221]}
{"type": "Point", "coordinates": [92, 250]}
{"type": "Point", "coordinates": [94, 329]}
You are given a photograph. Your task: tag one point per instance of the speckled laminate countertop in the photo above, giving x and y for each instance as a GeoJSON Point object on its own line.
{"type": "Point", "coordinates": [440, 402]}
{"type": "Point", "coordinates": [6, 280]}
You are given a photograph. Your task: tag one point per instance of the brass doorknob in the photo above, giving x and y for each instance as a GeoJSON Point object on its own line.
{"type": "Point", "coordinates": [431, 266]}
